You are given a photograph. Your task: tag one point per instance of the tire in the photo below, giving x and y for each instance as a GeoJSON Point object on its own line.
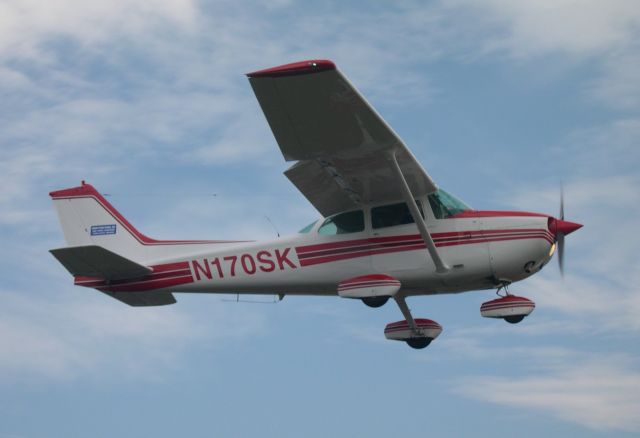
{"type": "Point", "coordinates": [418, 343]}
{"type": "Point", "coordinates": [375, 301]}
{"type": "Point", "coordinates": [514, 319]}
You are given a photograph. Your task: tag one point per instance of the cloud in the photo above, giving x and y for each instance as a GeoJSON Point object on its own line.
{"type": "Point", "coordinates": [27, 26]}
{"type": "Point", "coordinates": [601, 395]}
{"type": "Point", "coordinates": [83, 334]}
{"type": "Point", "coordinates": [618, 87]}
{"type": "Point", "coordinates": [602, 271]}
{"type": "Point", "coordinates": [596, 304]}
{"type": "Point", "coordinates": [573, 33]}
{"type": "Point", "coordinates": [102, 88]}
{"type": "Point", "coordinates": [531, 28]}
{"type": "Point", "coordinates": [544, 376]}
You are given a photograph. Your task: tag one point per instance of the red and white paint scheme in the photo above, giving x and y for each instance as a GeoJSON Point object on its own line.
{"type": "Point", "coordinates": [510, 308]}
{"type": "Point", "coordinates": [387, 230]}
{"type": "Point", "coordinates": [401, 331]}
{"type": "Point", "coordinates": [369, 286]}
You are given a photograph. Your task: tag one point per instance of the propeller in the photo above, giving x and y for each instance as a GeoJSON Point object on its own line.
{"type": "Point", "coordinates": [560, 235]}
{"type": "Point", "coordinates": [560, 228]}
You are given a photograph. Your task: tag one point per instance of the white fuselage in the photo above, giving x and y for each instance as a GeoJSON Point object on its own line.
{"type": "Point", "coordinates": [483, 250]}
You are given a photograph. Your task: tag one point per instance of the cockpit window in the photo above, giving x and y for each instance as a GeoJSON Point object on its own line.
{"type": "Point", "coordinates": [392, 215]}
{"type": "Point", "coordinates": [343, 223]}
{"type": "Point", "coordinates": [445, 205]}
{"type": "Point", "coordinates": [307, 228]}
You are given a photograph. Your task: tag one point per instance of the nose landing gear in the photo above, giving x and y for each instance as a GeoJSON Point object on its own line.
{"type": "Point", "coordinates": [511, 308]}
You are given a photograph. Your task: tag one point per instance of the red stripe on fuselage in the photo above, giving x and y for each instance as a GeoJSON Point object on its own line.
{"type": "Point", "coordinates": [165, 275]}
{"type": "Point", "coordinates": [335, 251]}
{"type": "Point", "coordinates": [147, 285]}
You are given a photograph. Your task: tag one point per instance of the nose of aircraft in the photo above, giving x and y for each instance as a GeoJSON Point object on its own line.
{"type": "Point", "coordinates": [561, 226]}
{"type": "Point", "coordinates": [567, 227]}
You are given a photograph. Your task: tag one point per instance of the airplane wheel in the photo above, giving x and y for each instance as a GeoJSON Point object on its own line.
{"type": "Point", "coordinates": [375, 301]}
{"type": "Point", "coordinates": [514, 319]}
{"type": "Point", "coordinates": [418, 343]}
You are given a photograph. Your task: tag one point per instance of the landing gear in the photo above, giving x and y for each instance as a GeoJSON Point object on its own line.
{"type": "Point", "coordinates": [509, 307]}
{"type": "Point", "coordinates": [417, 333]}
{"type": "Point", "coordinates": [375, 301]}
{"type": "Point", "coordinates": [418, 343]}
{"type": "Point", "coordinates": [514, 319]}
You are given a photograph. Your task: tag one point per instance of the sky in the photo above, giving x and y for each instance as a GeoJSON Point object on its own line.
{"type": "Point", "coordinates": [502, 102]}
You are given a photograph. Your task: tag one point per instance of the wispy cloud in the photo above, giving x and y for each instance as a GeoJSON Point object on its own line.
{"type": "Point", "coordinates": [573, 34]}
{"type": "Point", "coordinates": [532, 28]}
{"type": "Point", "coordinates": [618, 87]}
{"type": "Point", "coordinates": [27, 26]}
{"type": "Point", "coordinates": [78, 335]}
{"type": "Point", "coordinates": [598, 394]}
{"type": "Point", "coordinates": [602, 268]}
{"type": "Point", "coordinates": [598, 298]}
{"type": "Point", "coordinates": [102, 88]}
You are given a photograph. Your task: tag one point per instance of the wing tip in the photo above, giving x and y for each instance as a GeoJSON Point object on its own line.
{"type": "Point", "coordinates": [295, 68]}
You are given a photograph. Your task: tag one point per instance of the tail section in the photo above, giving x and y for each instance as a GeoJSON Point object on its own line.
{"type": "Point", "coordinates": [87, 218]}
{"type": "Point", "coordinates": [109, 254]}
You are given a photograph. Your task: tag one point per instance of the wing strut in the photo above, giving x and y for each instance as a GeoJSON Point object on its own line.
{"type": "Point", "coordinates": [441, 266]}
{"type": "Point", "coordinates": [407, 313]}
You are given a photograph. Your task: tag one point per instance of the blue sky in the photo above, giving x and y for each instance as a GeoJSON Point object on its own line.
{"type": "Point", "coordinates": [501, 101]}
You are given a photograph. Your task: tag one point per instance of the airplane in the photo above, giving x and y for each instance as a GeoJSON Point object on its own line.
{"type": "Point", "coordinates": [387, 230]}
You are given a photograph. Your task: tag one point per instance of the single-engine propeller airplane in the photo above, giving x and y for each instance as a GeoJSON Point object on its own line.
{"type": "Point", "coordinates": [388, 231]}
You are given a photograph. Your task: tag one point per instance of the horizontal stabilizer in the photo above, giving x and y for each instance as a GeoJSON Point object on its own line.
{"type": "Point", "coordinates": [142, 299]}
{"type": "Point", "coordinates": [96, 261]}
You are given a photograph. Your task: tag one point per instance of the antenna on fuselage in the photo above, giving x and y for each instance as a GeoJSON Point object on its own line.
{"type": "Point", "coordinates": [273, 225]}
{"type": "Point", "coordinates": [276, 299]}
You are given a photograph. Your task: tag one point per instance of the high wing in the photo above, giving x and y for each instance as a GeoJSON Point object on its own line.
{"type": "Point", "coordinates": [341, 144]}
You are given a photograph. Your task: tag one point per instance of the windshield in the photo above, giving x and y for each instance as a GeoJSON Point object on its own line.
{"type": "Point", "coordinates": [308, 227]}
{"type": "Point", "coordinates": [445, 205]}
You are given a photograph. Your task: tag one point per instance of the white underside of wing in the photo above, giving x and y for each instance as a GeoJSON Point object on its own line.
{"type": "Point", "coordinates": [341, 143]}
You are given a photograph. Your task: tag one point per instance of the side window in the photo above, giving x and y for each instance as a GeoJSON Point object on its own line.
{"type": "Point", "coordinates": [343, 223]}
{"type": "Point", "coordinates": [392, 215]}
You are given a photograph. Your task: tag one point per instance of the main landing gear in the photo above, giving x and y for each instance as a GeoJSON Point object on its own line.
{"type": "Point", "coordinates": [375, 290]}
{"type": "Point", "coordinates": [376, 301]}
{"type": "Point", "coordinates": [417, 333]}
{"type": "Point", "coordinates": [511, 308]}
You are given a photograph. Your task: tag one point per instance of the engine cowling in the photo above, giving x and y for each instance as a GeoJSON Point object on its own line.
{"type": "Point", "coordinates": [511, 308]}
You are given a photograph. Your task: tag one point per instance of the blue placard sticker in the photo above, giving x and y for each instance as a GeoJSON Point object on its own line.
{"type": "Point", "coordinates": [103, 230]}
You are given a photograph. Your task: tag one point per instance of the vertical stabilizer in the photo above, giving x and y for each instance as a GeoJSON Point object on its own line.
{"type": "Point", "coordinates": [87, 218]}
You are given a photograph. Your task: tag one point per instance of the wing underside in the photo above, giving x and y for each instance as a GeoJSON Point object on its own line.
{"type": "Point", "coordinates": [341, 144]}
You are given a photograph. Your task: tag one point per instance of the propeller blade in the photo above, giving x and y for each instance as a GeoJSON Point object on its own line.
{"type": "Point", "coordinates": [560, 239]}
{"type": "Point", "coordinates": [561, 217]}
